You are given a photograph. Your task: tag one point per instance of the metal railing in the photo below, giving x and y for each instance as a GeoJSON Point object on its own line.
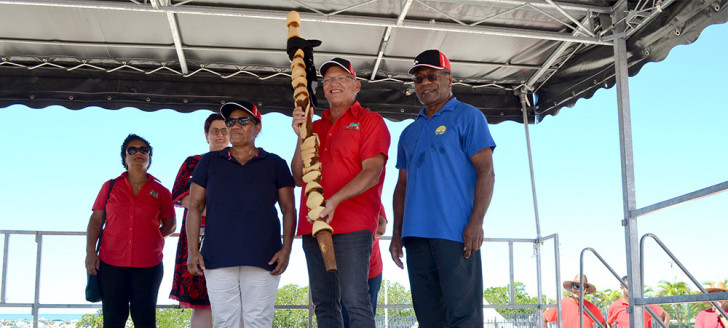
{"type": "Point", "coordinates": [614, 273]}
{"type": "Point", "coordinates": [36, 304]}
{"type": "Point", "coordinates": [705, 296]}
{"type": "Point", "coordinates": [643, 301]}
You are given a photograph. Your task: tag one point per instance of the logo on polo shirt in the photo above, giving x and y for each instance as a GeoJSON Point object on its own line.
{"type": "Point", "coordinates": [440, 130]}
{"type": "Point", "coordinates": [353, 127]}
{"type": "Point", "coordinates": [154, 194]}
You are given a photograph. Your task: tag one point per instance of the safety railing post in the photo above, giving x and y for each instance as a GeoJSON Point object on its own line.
{"type": "Point", "coordinates": [6, 244]}
{"type": "Point", "coordinates": [36, 298]}
{"type": "Point", "coordinates": [557, 265]}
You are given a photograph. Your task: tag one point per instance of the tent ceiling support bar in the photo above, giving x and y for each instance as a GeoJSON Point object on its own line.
{"type": "Point", "coordinates": [655, 12]}
{"type": "Point", "coordinates": [551, 60]}
{"type": "Point", "coordinates": [385, 38]}
{"type": "Point", "coordinates": [536, 4]}
{"type": "Point", "coordinates": [582, 29]}
{"type": "Point", "coordinates": [338, 19]}
{"type": "Point", "coordinates": [248, 50]}
{"type": "Point", "coordinates": [723, 186]}
{"type": "Point", "coordinates": [174, 29]}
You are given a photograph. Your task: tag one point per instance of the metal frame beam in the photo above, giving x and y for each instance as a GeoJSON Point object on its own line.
{"type": "Point", "coordinates": [536, 4]}
{"type": "Point", "coordinates": [337, 19]}
{"type": "Point", "coordinates": [174, 29]}
{"type": "Point", "coordinates": [714, 189]}
{"type": "Point", "coordinates": [385, 38]}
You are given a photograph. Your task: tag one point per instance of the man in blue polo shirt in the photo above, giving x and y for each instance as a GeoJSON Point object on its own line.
{"type": "Point", "coordinates": [444, 188]}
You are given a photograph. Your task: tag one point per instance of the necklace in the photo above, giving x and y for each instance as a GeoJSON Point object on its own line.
{"type": "Point", "coordinates": [251, 153]}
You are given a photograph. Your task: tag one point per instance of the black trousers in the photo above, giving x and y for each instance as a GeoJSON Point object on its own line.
{"type": "Point", "coordinates": [447, 289]}
{"type": "Point", "coordinates": [127, 290]}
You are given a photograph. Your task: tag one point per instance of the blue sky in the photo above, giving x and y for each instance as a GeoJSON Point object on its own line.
{"type": "Point", "coordinates": [54, 161]}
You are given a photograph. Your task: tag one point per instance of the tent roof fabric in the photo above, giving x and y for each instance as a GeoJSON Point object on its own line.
{"type": "Point", "coordinates": [197, 54]}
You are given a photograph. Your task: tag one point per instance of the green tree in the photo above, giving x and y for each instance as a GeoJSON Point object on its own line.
{"type": "Point", "coordinates": [396, 294]}
{"type": "Point", "coordinates": [603, 298]}
{"type": "Point", "coordinates": [173, 318]}
{"type": "Point", "coordinates": [677, 311]}
{"type": "Point", "coordinates": [167, 318]}
{"type": "Point", "coordinates": [501, 295]}
{"type": "Point", "coordinates": [291, 295]}
{"type": "Point", "coordinates": [91, 320]}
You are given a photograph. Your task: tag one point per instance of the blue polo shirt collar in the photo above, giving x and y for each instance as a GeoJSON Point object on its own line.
{"type": "Point", "coordinates": [448, 107]}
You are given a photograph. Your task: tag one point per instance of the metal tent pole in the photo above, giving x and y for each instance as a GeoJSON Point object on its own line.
{"type": "Point", "coordinates": [636, 318]}
{"type": "Point", "coordinates": [537, 244]}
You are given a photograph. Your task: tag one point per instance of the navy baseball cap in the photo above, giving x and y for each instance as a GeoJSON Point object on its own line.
{"type": "Point", "coordinates": [431, 58]}
{"type": "Point", "coordinates": [343, 63]}
{"type": "Point", "coordinates": [229, 107]}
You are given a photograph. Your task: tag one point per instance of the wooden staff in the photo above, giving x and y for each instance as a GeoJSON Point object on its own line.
{"type": "Point", "coordinates": [309, 150]}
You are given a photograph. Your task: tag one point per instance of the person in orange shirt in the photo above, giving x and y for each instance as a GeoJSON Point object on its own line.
{"type": "Point", "coordinates": [570, 306]}
{"type": "Point", "coordinates": [618, 317]}
{"type": "Point", "coordinates": [711, 318]}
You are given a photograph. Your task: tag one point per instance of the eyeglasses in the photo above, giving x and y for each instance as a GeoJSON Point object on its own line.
{"type": "Point", "coordinates": [575, 286]}
{"type": "Point", "coordinates": [340, 79]}
{"type": "Point", "coordinates": [430, 76]}
{"type": "Point", "coordinates": [134, 150]}
{"type": "Point", "coordinates": [219, 131]}
{"type": "Point", "coordinates": [243, 121]}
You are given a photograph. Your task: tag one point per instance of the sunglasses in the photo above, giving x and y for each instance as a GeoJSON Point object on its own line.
{"type": "Point", "coordinates": [430, 76]}
{"type": "Point", "coordinates": [134, 150]}
{"type": "Point", "coordinates": [219, 131]}
{"type": "Point", "coordinates": [243, 121]}
{"type": "Point", "coordinates": [576, 286]}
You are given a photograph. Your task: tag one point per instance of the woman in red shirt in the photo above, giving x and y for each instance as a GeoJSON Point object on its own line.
{"type": "Point", "coordinates": [139, 214]}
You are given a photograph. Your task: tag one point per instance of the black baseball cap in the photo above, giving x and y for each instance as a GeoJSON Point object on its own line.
{"type": "Point", "coordinates": [431, 58]}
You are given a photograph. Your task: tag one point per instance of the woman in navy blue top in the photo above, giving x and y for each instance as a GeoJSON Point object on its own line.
{"type": "Point", "coordinates": [242, 255]}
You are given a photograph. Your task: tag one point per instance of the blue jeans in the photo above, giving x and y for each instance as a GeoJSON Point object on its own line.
{"type": "Point", "coordinates": [374, 285]}
{"type": "Point", "coordinates": [348, 284]}
{"type": "Point", "coordinates": [447, 288]}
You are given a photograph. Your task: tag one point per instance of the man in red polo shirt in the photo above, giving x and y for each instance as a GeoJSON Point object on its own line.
{"type": "Point", "coordinates": [617, 316]}
{"type": "Point", "coordinates": [354, 143]}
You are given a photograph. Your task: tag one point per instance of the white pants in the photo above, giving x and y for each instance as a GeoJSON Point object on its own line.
{"type": "Point", "coordinates": [244, 291]}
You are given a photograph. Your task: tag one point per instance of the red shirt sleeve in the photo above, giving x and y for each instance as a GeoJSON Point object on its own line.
{"type": "Point", "coordinates": [658, 310]}
{"type": "Point", "coordinates": [377, 137]}
{"type": "Point", "coordinates": [166, 209]}
{"type": "Point", "coordinates": [550, 315]}
{"type": "Point", "coordinates": [100, 202]}
{"type": "Point", "coordinates": [611, 313]}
